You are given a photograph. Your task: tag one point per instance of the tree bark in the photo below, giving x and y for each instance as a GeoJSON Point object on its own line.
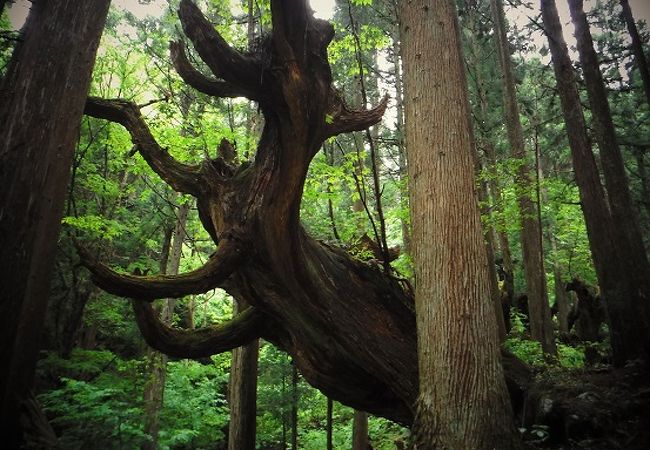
{"type": "Point", "coordinates": [242, 397]}
{"type": "Point", "coordinates": [624, 216]}
{"type": "Point", "coordinates": [539, 313]}
{"type": "Point", "coordinates": [294, 406]}
{"type": "Point", "coordinates": [360, 431]}
{"type": "Point", "coordinates": [462, 400]}
{"type": "Point", "coordinates": [627, 326]}
{"type": "Point", "coordinates": [328, 425]}
{"type": "Point", "coordinates": [637, 48]}
{"type": "Point", "coordinates": [41, 98]}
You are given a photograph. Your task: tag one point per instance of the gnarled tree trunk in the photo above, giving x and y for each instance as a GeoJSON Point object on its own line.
{"type": "Point", "coordinates": [349, 327]}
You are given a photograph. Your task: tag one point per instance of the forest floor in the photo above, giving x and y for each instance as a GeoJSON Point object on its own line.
{"type": "Point", "coordinates": [596, 408]}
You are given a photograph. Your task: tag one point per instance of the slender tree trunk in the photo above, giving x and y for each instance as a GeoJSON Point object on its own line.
{"type": "Point", "coordinates": [637, 48]}
{"type": "Point", "coordinates": [328, 426]}
{"type": "Point", "coordinates": [294, 406]}
{"type": "Point", "coordinates": [624, 216]}
{"type": "Point", "coordinates": [489, 248]}
{"type": "Point", "coordinates": [539, 312]}
{"type": "Point", "coordinates": [494, 188]}
{"type": "Point", "coordinates": [482, 184]}
{"type": "Point", "coordinates": [627, 326]}
{"type": "Point", "coordinates": [462, 400]}
{"type": "Point", "coordinates": [639, 155]}
{"type": "Point", "coordinates": [154, 389]}
{"type": "Point", "coordinates": [41, 102]}
{"type": "Point", "coordinates": [561, 295]}
{"type": "Point", "coordinates": [360, 431]}
{"type": "Point", "coordinates": [243, 394]}
{"type": "Point", "coordinates": [399, 115]}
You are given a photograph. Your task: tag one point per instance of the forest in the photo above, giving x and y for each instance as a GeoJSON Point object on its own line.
{"type": "Point", "coordinates": [350, 224]}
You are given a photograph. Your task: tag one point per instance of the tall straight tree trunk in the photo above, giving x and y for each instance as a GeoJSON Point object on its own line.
{"type": "Point", "coordinates": [482, 185]}
{"type": "Point", "coordinates": [42, 98]}
{"type": "Point", "coordinates": [360, 431]}
{"type": "Point", "coordinates": [539, 313]}
{"type": "Point", "coordinates": [399, 116]}
{"type": "Point", "coordinates": [627, 326]}
{"type": "Point", "coordinates": [561, 295]}
{"type": "Point", "coordinates": [328, 426]}
{"type": "Point", "coordinates": [494, 189]}
{"type": "Point", "coordinates": [639, 156]}
{"type": "Point", "coordinates": [294, 406]}
{"type": "Point", "coordinates": [637, 48]}
{"type": "Point", "coordinates": [626, 222]}
{"type": "Point", "coordinates": [462, 400]}
{"type": "Point", "coordinates": [243, 394]}
{"type": "Point", "coordinates": [154, 389]}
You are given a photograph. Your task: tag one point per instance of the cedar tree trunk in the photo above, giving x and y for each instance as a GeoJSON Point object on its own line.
{"type": "Point", "coordinates": [242, 397]}
{"type": "Point", "coordinates": [41, 103]}
{"type": "Point", "coordinates": [462, 401]}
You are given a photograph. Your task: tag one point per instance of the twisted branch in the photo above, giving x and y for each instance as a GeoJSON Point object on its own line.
{"type": "Point", "coordinates": [200, 82]}
{"type": "Point", "coordinates": [210, 276]}
{"type": "Point", "coordinates": [181, 177]}
{"type": "Point", "coordinates": [224, 61]}
{"type": "Point", "coordinates": [241, 330]}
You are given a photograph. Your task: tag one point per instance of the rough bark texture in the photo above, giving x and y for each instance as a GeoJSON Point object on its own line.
{"type": "Point", "coordinates": [539, 313]}
{"type": "Point", "coordinates": [624, 216]}
{"type": "Point", "coordinates": [41, 103]}
{"type": "Point", "coordinates": [242, 395]}
{"type": "Point", "coordinates": [627, 327]}
{"type": "Point", "coordinates": [360, 431]}
{"type": "Point", "coordinates": [462, 400]}
{"type": "Point", "coordinates": [349, 327]}
{"type": "Point", "coordinates": [637, 48]}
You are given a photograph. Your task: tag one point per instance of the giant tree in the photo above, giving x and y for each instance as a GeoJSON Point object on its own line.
{"type": "Point", "coordinates": [462, 401]}
{"type": "Point", "coordinates": [349, 327]}
{"type": "Point", "coordinates": [41, 103]}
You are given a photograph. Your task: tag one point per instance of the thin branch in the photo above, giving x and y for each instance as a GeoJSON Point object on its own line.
{"type": "Point", "coordinates": [181, 177]}
{"type": "Point", "coordinates": [200, 82]}
{"type": "Point", "coordinates": [216, 270]}
{"type": "Point", "coordinates": [224, 61]}
{"type": "Point", "coordinates": [241, 330]}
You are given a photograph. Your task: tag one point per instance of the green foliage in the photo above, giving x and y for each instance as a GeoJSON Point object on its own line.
{"type": "Point", "coordinates": [195, 412]}
{"type": "Point", "coordinates": [96, 408]}
{"type": "Point", "coordinates": [98, 401]}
